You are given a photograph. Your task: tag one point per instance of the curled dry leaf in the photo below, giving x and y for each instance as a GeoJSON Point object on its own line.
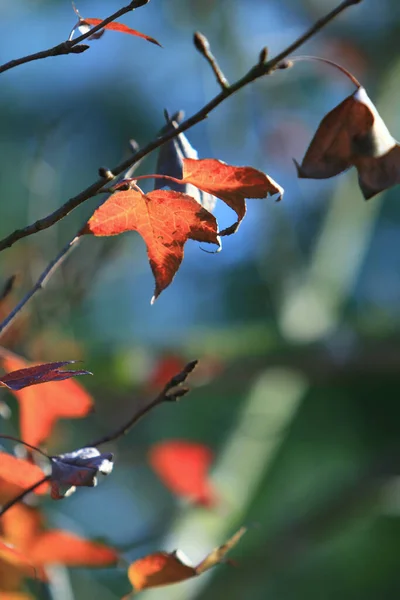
{"type": "Point", "coordinates": [80, 468]}
{"type": "Point", "coordinates": [183, 468]}
{"type": "Point", "coordinates": [231, 184]}
{"type": "Point", "coordinates": [164, 219]}
{"type": "Point", "coordinates": [164, 568]}
{"type": "Point", "coordinates": [16, 380]}
{"type": "Point", "coordinates": [354, 134]}
{"type": "Point", "coordinates": [41, 407]}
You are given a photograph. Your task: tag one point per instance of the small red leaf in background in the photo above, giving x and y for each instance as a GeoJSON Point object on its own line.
{"type": "Point", "coordinates": [164, 219]}
{"type": "Point", "coordinates": [164, 568]}
{"type": "Point", "coordinates": [230, 184]}
{"type": "Point", "coordinates": [115, 26]}
{"type": "Point", "coordinates": [354, 134]}
{"type": "Point", "coordinates": [41, 407]}
{"type": "Point", "coordinates": [183, 468]}
{"type": "Point", "coordinates": [16, 380]}
{"type": "Point", "coordinates": [20, 473]}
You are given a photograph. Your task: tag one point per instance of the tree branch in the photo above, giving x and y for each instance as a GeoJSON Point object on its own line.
{"type": "Point", "coordinates": [71, 46]}
{"type": "Point", "coordinates": [257, 71]}
{"type": "Point", "coordinates": [171, 392]}
{"type": "Point", "coordinates": [41, 282]}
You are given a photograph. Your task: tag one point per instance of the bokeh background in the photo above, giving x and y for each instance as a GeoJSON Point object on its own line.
{"type": "Point", "coordinates": [296, 321]}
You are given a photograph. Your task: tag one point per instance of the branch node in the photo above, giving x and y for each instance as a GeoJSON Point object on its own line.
{"type": "Point", "coordinates": [78, 49]}
{"type": "Point", "coordinates": [203, 46]}
{"type": "Point", "coordinates": [263, 56]}
{"type": "Point", "coordinates": [106, 173]}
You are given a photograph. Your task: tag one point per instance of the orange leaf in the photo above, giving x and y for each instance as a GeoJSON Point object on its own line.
{"type": "Point", "coordinates": [163, 568]}
{"type": "Point", "coordinates": [16, 558]}
{"type": "Point", "coordinates": [19, 472]}
{"type": "Point", "coordinates": [165, 220]}
{"type": "Point", "coordinates": [16, 380]}
{"type": "Point", "coordinates": [14, 596]}
{"type": "Point", "coordinates": [68, 549]}
{"type": "Point", "coordinates": [115, 26]}
{"type": "Point", "coordinates": [41, 407]}
{"type": "Point", "coordinates": [160, 568]}
{"type": "Point", "coordinates": [22, 527]}
{"type": "Point", "coordinates": [183, 468]}
{"type": "Point", "coordinates": [230, 184]}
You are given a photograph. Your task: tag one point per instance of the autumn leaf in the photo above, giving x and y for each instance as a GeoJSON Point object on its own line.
{"type": "Point", "coordinates": [164, 219]}
{"type": "Point", "coordinates": [80, 468]}
{"type": "Point", "coordinates": [23, 527]}
{"type": "Point", "coordinates": [354, 134]}
{"type": "Point", "coordinates": [19, 473]}
{"type": "Point", "coordinates": [163, 568]}
{"type": "Point", "coordinates": [120, 27]}
{"type": "Point", "coordinates": [183, 468]}
{"type": "Point", "coordinates": [41, 407]}
{"type": "Point", "coordinates": [231, 184]}
{"type": "Point", "coordinates": [16, 380]}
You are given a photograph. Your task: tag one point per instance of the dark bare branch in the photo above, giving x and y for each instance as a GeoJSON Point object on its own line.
{"type": "Point", "coordinates": [257, 71]}
{"type": "Point", "coordinates": [173, 390]}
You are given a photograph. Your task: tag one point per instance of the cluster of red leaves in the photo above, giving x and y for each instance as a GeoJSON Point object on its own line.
{"type": "Point", "coordinates": [166, 219]}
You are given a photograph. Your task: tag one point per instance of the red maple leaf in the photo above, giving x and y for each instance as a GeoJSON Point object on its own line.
{"type": "Point", "coordinates": [165, 220]}
{"type": "Point", "coordinates": [41, 407]}
{"type": "Point", "coordinates": [115, 26]}
{"type": "Point", "coordinates": [183, 468]}
{"type": "Point", "coordinates": [230, 184]}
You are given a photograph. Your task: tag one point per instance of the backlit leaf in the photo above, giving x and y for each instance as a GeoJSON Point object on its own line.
{"type": "Point", "coordinates": [41, 407]}
{"type": "Point", "coordinates": [183, 468]}
{"type": "Point", "coordinates": [20, 472]}
{"type": "Point", "coordinates": [164, 219]}
{"type": "Point", "coordinates": [164, 568]}
{"type": "Point", "coordinates": [62, 547]}
{"type": "Point", "coordinates": [115, 26]}
{"type": "Point", "coordinates": [159, 569]}
{"type": "Point", "coordinates": [231, 184]}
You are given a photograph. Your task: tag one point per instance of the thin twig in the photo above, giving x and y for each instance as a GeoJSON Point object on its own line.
{"type": "Point", "coordinates": [41, 282]}
{"type": "Point", "coordinates": [72, 46]}
{"type": "Point", "coordinates": [256, 72]}
{"type": "Point", "coordinates": [171, 392]}
{"type": "Point", "coordinates": [22, 495]}
{"type": "Point", "coordinates": [203, 46]}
